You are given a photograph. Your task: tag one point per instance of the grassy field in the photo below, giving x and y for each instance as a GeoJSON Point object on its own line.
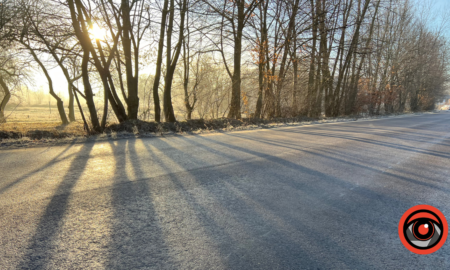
{"type": "Point", "coordinates": [35, 114]}
{"type": "Point", "coordinates": [22, 120]}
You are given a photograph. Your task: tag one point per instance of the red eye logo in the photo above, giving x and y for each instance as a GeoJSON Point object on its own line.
{"type": "Point", "coordinates": [423, 229]}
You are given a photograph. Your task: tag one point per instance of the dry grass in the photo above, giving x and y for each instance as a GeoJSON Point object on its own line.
{"type": "Point", "coordinates": [35, 114]}
{"type": "Point", "coordinates": [34, 127]}
{"type": "Point", "coordinates": [38, 134]}
{"type": "Point", "coordinates": [74, 127]}
{"type": "Point", "coordinates": [38, 122]}
{"type": "Point", "coordinates": [39, 130]}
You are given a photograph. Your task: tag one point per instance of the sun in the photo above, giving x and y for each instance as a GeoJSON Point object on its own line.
{"type": "Point", "coordinates": [97, 32]}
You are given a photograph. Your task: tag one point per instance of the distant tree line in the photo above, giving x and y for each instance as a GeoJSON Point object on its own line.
{"type": "Point", "coordinates": [157, 59]}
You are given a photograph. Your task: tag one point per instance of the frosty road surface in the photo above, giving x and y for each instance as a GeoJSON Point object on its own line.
{"type": "Point", "coordinates": [325, 196]}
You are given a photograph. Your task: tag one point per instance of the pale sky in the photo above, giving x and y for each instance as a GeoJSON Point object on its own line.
{"type": "Point", "coordinates": [437, 10]}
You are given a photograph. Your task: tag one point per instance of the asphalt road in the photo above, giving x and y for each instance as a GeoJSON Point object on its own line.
{"type": "Point", "coordinates": [326, 196]}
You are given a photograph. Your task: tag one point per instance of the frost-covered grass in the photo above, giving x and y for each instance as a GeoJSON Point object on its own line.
{"type": "Point", "coordinates": [43, 134]}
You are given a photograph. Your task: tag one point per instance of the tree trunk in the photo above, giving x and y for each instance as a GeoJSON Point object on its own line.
{"type": "Point", "coordinates": [350, 53]}
{"type": "Point", "coordinates": [259, 99]}
{"type": "Point", "coordinates": [114, 100]}
{"type": "Point", "coordinates": [110, 93]}
{"type": "Point", "coordinates": [286, 48]}
{"type": "Point", "coordinates": [326, 76]}
{"type": "Point", "coordinates": [71, 104]}
{"type": "Point", "coordinates": [5, 100]}
{"type": "Point", "coordinates": [88, 92]}
{"type": "Point", "coordinates": [354, 87]}
{"type": "Point", "coordinates": [235, 105]}
{"type": "Point", "coordinates": [169, 114]}
{"type": "Point", "coordinates": [159, 62]}
{"type": "Point", "coordinates": [311, 79]}
{"type": "Point", "coordinates": [132, 81]}
{"type": "Point", "coordinates": [262, 47]}
{"type": "Point", "coordinates": [294, 104]}
{"type": "Point", "coordinates": [186, 73]}
{"type": "Point", "coordinates": [332, 98]}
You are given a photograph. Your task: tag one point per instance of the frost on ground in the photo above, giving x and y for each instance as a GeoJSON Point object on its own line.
{"type": "Point", "coordinates": [140, 129]}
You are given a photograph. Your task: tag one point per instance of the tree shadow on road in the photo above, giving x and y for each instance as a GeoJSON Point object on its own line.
{"type": "Point", "coordinates": [136, 239]}
{"type": "Point", "coordinates": [248, 227]}
{"type": "Point", "coordinates": [367, 208]}
{"type": "Point", "coordinates": [333, 155]}
{"type": "Point", "coordinates": [253, 210]}
{"type": "Point", "coordinates": [50, 163]}
{"type": "Point", "coordinates": [328, 134]}
{"type": "Point", "coordinates": [42, 247]}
